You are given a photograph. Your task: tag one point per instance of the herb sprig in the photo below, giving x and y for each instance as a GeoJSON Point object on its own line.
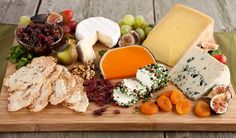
{"type": "Point", "coordinates": [20, 56]}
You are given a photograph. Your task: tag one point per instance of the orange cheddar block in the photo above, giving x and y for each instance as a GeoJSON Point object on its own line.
{"type": "Point", "coordinates": [124, 62]}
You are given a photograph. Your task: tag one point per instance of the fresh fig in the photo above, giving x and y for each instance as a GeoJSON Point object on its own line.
{"type": "Point", "coordinates": [219, 103]}
{"type": "Point", "coordinates": [55, 18]}
{"type": "Point", "coordinates": [206, 46]}
{"type": "Point", "coordinates": [221, 89]}
{"type": "Point", "coordinates": [40, 18]}
{"type": "Point", "coordinates": [136, 36]}
{"type": "Point", "coordinates": [127, 39]}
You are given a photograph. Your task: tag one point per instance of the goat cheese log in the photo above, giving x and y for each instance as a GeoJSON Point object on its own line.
{"type": "Point", "coordinates": [153, 76]}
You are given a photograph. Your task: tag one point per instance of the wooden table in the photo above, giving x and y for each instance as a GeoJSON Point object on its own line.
{"type": "Point", "coordinates": [221, 10]}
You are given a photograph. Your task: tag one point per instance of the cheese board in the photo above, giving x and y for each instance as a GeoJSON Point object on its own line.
{"type": "Point", "coordinates": [134, 82]}
{"type": "Point", "coordinates": [56, 118]}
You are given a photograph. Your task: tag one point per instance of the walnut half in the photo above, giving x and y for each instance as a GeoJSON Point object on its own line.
{"type": "Point", "coordinates": [86, 71]}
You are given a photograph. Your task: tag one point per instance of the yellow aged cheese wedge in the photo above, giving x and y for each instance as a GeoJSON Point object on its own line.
{"type": "Point", "coordinates": [181, 28]}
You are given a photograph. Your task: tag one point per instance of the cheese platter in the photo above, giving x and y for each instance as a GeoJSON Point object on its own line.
{"type": "Point", "coordinates": [99, 75]}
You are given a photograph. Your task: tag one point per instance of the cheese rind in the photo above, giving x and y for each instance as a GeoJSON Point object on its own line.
{"type": "Point", "coordinates": [197, 72]}
{"type": "Point", "coordinates": [181, 28]}
{"type": "Point", "coordinates": [90, 30]}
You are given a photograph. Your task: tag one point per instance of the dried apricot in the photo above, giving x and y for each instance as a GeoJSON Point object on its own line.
{"type": "Point", "coordinates": [164, 103]}
{"type": "Point", "coordinates": [176, 96]}
{"type": "Point", "coordinates": [183, 107]}
{"type": "Point", "coordinates": [202, 109]}
{"type": "Point", "coordinates": [167, 93]}
{"type": "Point", "coordinates": [148, 108]}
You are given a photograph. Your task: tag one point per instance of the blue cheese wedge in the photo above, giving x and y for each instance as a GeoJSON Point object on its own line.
{"type": "Point", "coordinates": [153, 76]}
{"type": "Point", "coordinates": [122, 98]}
{"type": "Point", "coordinates": [197, 72]}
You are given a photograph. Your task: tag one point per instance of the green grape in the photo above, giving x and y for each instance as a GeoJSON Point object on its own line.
{"type": "Point", "coordinates": [125, 29]}
{"type": "Point", "coordinates": [145, 24]}
{"type": "Point", "coordinates": [138, 21]}
{"type": "Point", "coordinates": [24, 20]}
{"type": "Point", "coordinates": [141, 33]}
{"type": "Point", "coordinates": [147, 30]}
{"type": "Point", "coordinates": [121, 23]}
{"type": "Point", "coordinates": [128, 20]}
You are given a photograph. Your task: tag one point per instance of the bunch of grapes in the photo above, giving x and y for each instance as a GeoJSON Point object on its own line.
{"type": "Point", "coordinates": [138, 24]}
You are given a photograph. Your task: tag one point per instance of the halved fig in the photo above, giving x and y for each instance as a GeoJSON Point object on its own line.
{"type": "Point", "coordinates": [136, 36]}
{"type": "Point", "coordinates": [126, 40]}
{"type": "Point", "coordinates": [54, 18]}
{"type": "Point", "coordinates": [207, 46]}
{"type": "Point", "coordinates": [219, 103]}
{"type": "Point", "coordinates": [221, 89]}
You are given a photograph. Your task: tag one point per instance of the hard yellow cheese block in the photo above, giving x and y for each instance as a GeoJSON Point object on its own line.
{"type": "Point", "coordinates": [181, 28]}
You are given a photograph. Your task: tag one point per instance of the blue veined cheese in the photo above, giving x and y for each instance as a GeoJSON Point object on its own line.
{"type": "Point", "coordinates": [153, 76]}
{"type": "Point", "coordinates": [197, 72]}
{"type": "Point", "coordinates": [121, 97]}
{"type": "Point", "coordinates": [134, 87]}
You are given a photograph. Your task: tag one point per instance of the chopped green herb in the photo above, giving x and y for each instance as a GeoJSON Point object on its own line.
{"type": "Point", "coordinates": [20, 56]}
{"type": "Point", "coordinates": [102, 52]}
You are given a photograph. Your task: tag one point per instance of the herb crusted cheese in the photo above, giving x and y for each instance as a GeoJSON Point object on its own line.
{"type": "Point", "coordinates": [154, 76]}
{"type": "Point", "coordinates": [121, 97]}
{"type": "Point", "coordinates": [134, 87]}
{"type": "Point", "coordinates": [150, 77]}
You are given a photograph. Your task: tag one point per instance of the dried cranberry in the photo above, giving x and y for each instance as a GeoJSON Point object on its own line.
{"type": "Point", "coordinates": [100, 111]}
{"type": "Point", "coordinates": [116, 111]}
{"type": "Point", "coordinates": [98, 91]}
{"type": "Point", "coordinates": [39, 35]}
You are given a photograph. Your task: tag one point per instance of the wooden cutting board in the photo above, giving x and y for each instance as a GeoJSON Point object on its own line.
{"type": "Point", "coordinates": [59, 118]}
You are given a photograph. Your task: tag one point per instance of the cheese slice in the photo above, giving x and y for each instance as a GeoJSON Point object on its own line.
{"type": "Point", "coordinates": [153, 76]}
{"type": "Point", "coordinates": [90, 30]}
{"type": "Point", "coordinates": [134, 87]}
{"type": "Point", "coordinates": [181, 28]}
{"type": "Point", "coordinates": [197, 72]}
{"type": "Point", "coordinates": [121, 97]}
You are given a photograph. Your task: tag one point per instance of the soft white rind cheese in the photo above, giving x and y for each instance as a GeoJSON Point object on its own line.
{"type": "Point", "coordinates": [197, 72]}
{"type": "Point", "coordinates": [90, 30]}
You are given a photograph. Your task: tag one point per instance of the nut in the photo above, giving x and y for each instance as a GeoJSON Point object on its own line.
{"type": "Point", "coordinates": [86, 71]}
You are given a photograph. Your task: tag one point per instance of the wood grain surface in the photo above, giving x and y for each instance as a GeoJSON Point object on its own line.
{"type": "Point", "coordinates": [112, 9]}
{"type": "Point", "coordinates": [11, 10]}
{"type": "Point", "coordinates": [224, 8]}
